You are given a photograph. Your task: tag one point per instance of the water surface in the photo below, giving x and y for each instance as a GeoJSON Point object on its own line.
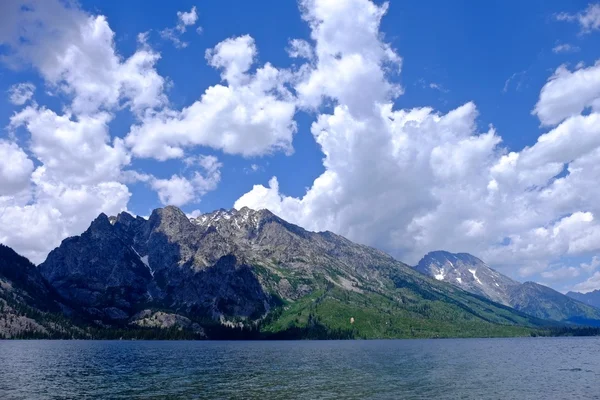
{"type": "Point", "coordinates": [526, 368]}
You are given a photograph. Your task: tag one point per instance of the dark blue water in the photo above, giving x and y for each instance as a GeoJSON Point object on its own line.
{"type": "Point", "coordinates": [532, 368]}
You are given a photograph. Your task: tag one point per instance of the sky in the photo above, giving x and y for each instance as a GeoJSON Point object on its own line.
{"type": "Point", "coordinates": [409, 126]}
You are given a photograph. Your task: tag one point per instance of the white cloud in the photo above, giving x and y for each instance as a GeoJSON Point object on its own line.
{"type": "Point", "coordinates": [175, 191]}
{"type": "Point", "coordinates": [54, 211]}
{"type": "Point", "coordinates": [79, 168]}
{"type": "Point", "coordinates": [589, 285]}
{"type": "Point", "coordinates": [179, 190]}
{"type": "Point", "coordinates": [568, 93]}
{"type": "Point", "coordinates": [21, 93]}
{"type": "Point", "coordinates": [299, 48]}
{"type": "Point", "coordinates": [194, 214]}
{"type": "Point", "coordinates": [252, 115]}
{"type": "Point", "coordinates": [438, 87]}
{"type": "Point", "coordinates": [173, 35]}
{"type": "Point", "coordinates": [15, 169]}
{"type": "Point", "coordinates": [592, 265]}
{"type": "Point", "coordinates": [75, 53]}
{"type": "Point", "coordinates": [561, 273]}
{"type": "Point", "coordinates": [589, 20]}
{"type": "Point", "coordinates": [351, 58]}
{"type": "Point", "coordinates": [416, 180]}
{"type": "Point", "coordinates": [518, 78]}
{"type": "Point", "coordinates": [185, 19]}
{"type": "Point", "coordinates": [405, 180]}
{"type": "Point", "coordinates": [565, 48]}
{"type": "Point", "coordinates": [72, 151]}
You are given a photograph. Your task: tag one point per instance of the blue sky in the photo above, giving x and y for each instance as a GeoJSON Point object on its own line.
{"type": "Point", "coordinates": [494, 62]}
{"type": "Point", "coordinates": [471, 49]}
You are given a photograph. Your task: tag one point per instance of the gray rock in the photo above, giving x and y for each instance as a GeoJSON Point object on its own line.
{"type": "Point", "coordinates": [98, 270]}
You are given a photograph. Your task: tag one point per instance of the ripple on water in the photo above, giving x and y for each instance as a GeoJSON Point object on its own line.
{"type": "Point", "coordinates": [527, 368]}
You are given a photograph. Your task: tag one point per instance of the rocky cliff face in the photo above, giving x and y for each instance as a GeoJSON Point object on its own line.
{"type": "Point", "coordinates": [29, 307]}
{"type": "Point", "coordinates": [473, 275]}
{"type": "Point", "coordinates": [223, 264]}
{"type": "Point", "coordinates": [122, 264]}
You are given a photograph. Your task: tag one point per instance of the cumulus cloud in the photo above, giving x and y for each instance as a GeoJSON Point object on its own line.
{"type": "Point", "coordinates": [252, 115]}
{"type": "Point", "coordinates": [350, 56]}
{"type": "Point", "coordinates": [72, 151]}
{"type": "Point", "coordinates": [35, 224]}
{"type": "Point", "coordinates": [186, 19]}
{"type": "Point", "coordinates": [75, 53]}
{"type": "Point", "coordinates": [589, 19]}
{"type": "Point", "coordinates": [299, 48]}
{"type": "Point", "coordinates": [176, 191]}
{"type": "Point", "coordinates": [589, 285]}
{"type": "Point", "coordinates": [21, 93]}
{"type": "Point", "coordinates": [179, 190]}
{"type": "Point", "coordinates": [568, 93]}
{"type": "Point", "coordinates": [79, 168]}
{"type": "Point", "coordinates": [405, 180]}
{"type": "Point", "coordinates": [415, 180]}
{"type": "Point", "coordinates": [15, 169]}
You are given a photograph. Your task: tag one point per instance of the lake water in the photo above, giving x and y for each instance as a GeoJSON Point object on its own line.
{"type": "Point", "coordinates": [528, 368]}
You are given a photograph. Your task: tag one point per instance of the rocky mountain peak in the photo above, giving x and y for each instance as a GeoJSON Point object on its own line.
{"type": "Point", "coordinates": [99, 225]}
{"type": "Point", "coordinates": [473, 275]}
{"type": "Point", "coordinates": [169, 219]}
{"type": "Point", "coordinates": [244, 220]}
{"type": "Point", "coordinates": [442, 257]}
{"type": "Point", "coordinates": [124, 218]}
{"type": "Point", "coordinates": [467, 272]}
{"type": "Point", "coordinates": [168, 213]}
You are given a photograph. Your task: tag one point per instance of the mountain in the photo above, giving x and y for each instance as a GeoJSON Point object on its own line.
{"type": "Point", "coordinates": [250, 273]}
{"type": "Point", "coordinates": [590, 298]}
{"type": "Point", "coordinates": [28, 305]}
{"type": "Point", "coordinates": [468, 273]}
{"type": "Point", "coordinates": [473, 275]}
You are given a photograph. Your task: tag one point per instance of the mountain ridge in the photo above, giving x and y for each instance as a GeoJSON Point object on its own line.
{"type": "Point", "coordinates": [249, 269]}
{"type": "Point", "coordinates": [590, 298]}
{"type": "Point", "coordinates": [472, 274]}
{"type": "Point", "coordinates": [250, 274]}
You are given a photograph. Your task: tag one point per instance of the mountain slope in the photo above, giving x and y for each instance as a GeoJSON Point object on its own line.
{"type": "Point", "coordinates": [28, 306]}
{"type": "Point", "coordinates": [473, 275]}
{"type": "Point", "coordinates": [590, 298]}
{"type": "Point", "coordinates": [468, 273]}
{"type": "Point", "coordinates": [253, 270]}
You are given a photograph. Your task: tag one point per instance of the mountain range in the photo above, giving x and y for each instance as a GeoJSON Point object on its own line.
{"type": "Point", "coordinates": [473, 275]}
{"type": "Point", "coordinates": [250, 274]}
{"type": "Point", "coordinates": [590, 298]}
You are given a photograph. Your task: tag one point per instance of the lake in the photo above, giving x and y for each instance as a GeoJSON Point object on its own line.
{"type": "Point", "coordinates": [523, 368]}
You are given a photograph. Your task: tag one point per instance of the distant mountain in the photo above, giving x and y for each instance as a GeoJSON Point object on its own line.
{"type": "Point", "coordinates": [590, 298]}
{"type": "Point", "coordinates": [252, 271]}
{"type": "Point", "coordinates": [472, 274]}
{"type": "Point", "coordinates": [28, 305]}
{"type": "Point", "coordinates": [469, 273]}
